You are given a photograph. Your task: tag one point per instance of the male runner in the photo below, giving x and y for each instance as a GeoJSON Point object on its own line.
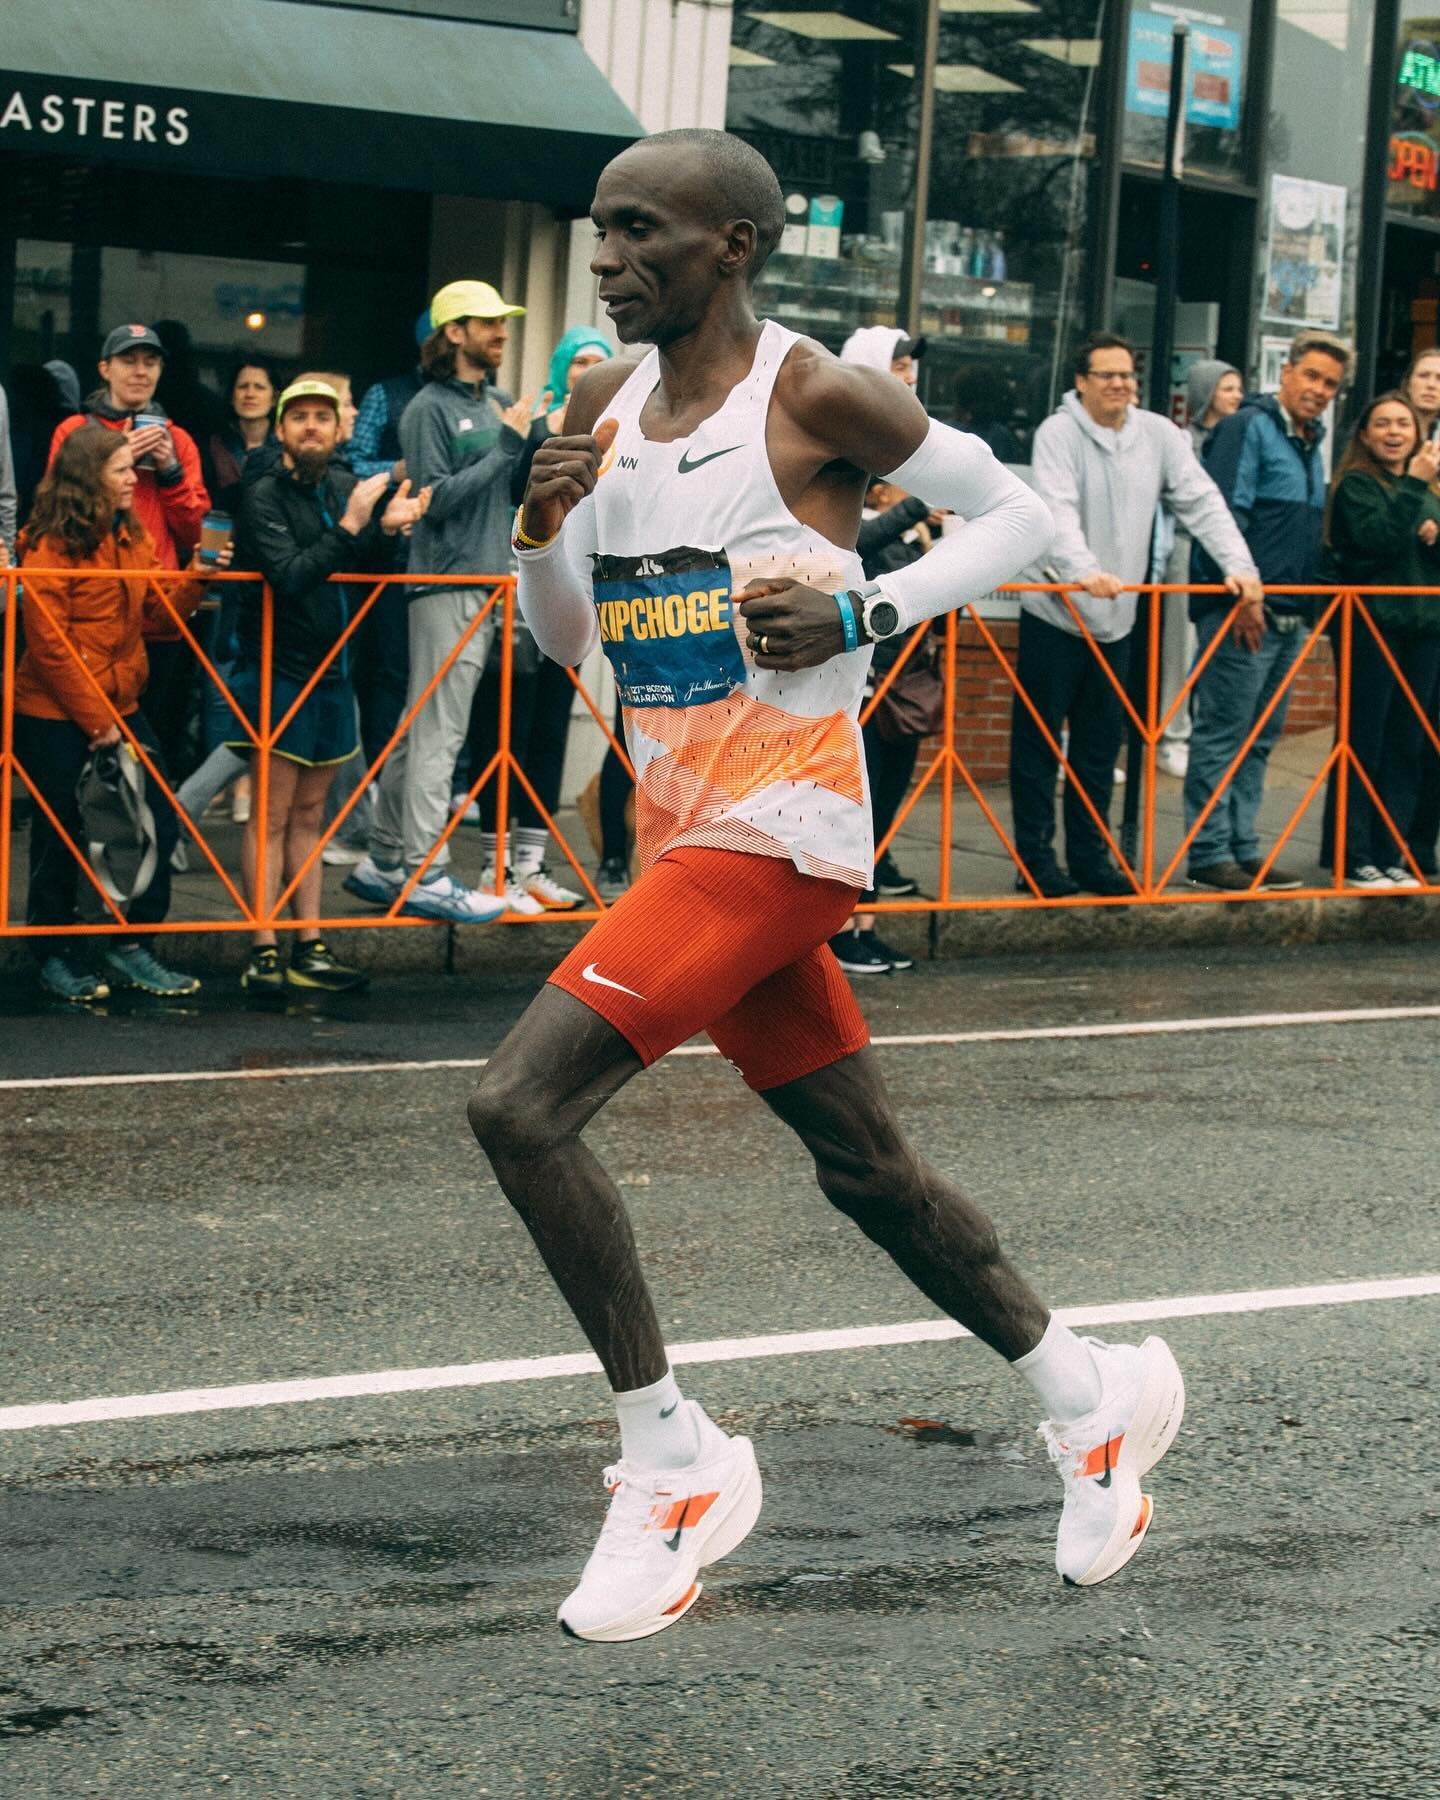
{"type": "Point", "coordinates": [696, 518]}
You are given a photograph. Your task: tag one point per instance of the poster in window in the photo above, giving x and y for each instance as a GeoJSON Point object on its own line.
{"type": "Point", "coordinates": [1304, 253]}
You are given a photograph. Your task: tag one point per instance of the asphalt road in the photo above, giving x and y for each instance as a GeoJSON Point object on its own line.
{"type": "Point", "coordinates": [355, 1597]}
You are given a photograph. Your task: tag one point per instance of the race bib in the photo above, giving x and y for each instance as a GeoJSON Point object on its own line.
{"type": "Point", "coordinates": [665, 624]}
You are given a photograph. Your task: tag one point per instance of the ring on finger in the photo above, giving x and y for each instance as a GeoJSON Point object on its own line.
{"type": "Point", "coordinates": [764, 645]}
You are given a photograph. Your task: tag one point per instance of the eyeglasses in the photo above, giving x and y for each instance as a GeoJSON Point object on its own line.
{"type": "Point", "coordinates": [1126, 376]}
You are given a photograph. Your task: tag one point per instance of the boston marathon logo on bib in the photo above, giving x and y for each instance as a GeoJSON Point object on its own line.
{"type": "Point", "coordinates": [665, 624]}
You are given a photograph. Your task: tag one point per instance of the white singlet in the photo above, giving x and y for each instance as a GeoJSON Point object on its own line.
{"type": "Point", "coordinates": [726, 755]}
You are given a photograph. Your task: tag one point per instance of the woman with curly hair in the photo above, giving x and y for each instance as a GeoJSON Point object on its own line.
{"type": "Point", "coordinates": [80, 635]}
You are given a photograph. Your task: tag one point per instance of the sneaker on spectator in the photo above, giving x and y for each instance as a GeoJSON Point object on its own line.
{"type": "Point", "coordinates": [1366, 875]}
{"type": "Point", "coordinates": [315, 965]}
{"type": "Point", "coordinates": [336, 855]}
{"type": "Point", "coordinates": [897, 959]}
{"type": "Point", "coordinates": [1051, 880]}
{"type": "Point", "coordinates": [612, 878]}
{"type": "Point", "coordinates": [263, 974]}
{"type": "Point", "coordinates": [1228, 877]}
{"type": "Point", "coordinates": [179, 859]}
{"type": "Point", "coordinates": [541, 885]}
{"type": "Point", "coordinates": [1400, 876]}
{"type": "Point", "coordinates": [1279, 880]}
{"type": "Point", "coordinates": [856, 956]}
{"type": "Point", "coordinates": [891, 883]}
{"type": "Point", "coordinates": [441, 896]}
{"type": "Point", "coordinates": [516, 898]}
{"type": "Point", "coordinates": [76, 986]}
{"type": "Point", "coordinates": [379, 883]}
{"type": "Point", "coordinates": [133, 965]}
{"type": "Point", "coordinates": [468, 809]}
{"type": "Point", "coordinates": [1172, 758]}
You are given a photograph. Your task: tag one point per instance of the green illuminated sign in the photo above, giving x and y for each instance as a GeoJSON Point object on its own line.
{"type": "Point", "coordinates": [1421, 72]}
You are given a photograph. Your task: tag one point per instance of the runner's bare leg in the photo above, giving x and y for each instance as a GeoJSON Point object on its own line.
{"type": "Point", "coordinates": [938, 1237]}
{"type": "Point", "coordinates": [549, 1078]}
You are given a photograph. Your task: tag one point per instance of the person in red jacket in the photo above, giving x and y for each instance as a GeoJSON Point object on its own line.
{"type": "Point", "coordinates": [80, 634]}
{"type": "Point", "coordinates": [170, 502]}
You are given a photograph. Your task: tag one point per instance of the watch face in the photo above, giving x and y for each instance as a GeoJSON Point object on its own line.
{"type": "Point", "coordinates": [884, 617]}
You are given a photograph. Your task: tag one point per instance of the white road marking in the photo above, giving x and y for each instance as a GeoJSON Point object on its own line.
{"type": "Point", "coordinates": [1360, 1015]}
{"type": "Point", "coordinates": [714, 1350]}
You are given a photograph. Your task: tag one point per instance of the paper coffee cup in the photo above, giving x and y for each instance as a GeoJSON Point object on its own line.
{"type": "Point", "coordinates": [215, 533]}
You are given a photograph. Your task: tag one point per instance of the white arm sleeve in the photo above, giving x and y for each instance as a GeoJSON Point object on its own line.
{"type": "Point", "coordinates": [1006, 526]}
{"type": "Point", "coordinates": [556, 599]}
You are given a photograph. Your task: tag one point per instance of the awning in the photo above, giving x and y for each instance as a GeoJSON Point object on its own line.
{"type": "Point", "coordinates": [271, 87]}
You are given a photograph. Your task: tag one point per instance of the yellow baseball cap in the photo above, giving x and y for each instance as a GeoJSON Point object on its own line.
{"type": "Point", "coordinates": [469, 300]}
{"type": "Point", "coordinates": [306, 390]}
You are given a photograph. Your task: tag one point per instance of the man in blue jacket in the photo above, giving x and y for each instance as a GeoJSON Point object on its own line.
{"type": "Point", "coordinates": [1265, 459]}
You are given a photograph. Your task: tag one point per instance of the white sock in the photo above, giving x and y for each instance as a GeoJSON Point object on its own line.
{"type": "Point", "coordinates": [489, 843]}
{"type": "Point", "coordinates": [656, 1431]}
{"type": "Point", "coordinates": [1061, 1369]}
{"type": "Point", "coordinates": [529, 848]}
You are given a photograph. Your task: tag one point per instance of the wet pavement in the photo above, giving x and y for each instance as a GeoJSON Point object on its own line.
{"type": "Point", "coordinates": [356, 1597]}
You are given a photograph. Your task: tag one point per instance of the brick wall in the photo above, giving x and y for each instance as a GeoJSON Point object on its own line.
{"type": "Point", "coordinates": [983, 699]}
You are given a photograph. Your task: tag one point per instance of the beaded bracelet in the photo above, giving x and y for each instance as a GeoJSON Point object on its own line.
{"type": "Point", "coordinates": [529, 543]}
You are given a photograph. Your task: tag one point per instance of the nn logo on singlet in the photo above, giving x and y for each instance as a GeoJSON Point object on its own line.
{"type": "Point", "coordinates": [627, 462]}
{"type": "Point", "coordinates": [666, 626]}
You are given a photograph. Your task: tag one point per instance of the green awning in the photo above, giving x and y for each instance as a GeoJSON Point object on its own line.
{"type": "Point", "coordinates": [272, 87]}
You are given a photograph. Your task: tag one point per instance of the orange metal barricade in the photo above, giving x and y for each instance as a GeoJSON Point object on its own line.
{"type": "Point", "coordinates": [1340, 613]}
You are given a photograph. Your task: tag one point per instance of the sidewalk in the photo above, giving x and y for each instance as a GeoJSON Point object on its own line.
{"type": "Point", "coordinates": [979, 869]}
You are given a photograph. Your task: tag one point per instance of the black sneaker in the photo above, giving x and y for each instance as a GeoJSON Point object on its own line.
{"type": "Point", "coordinates": [612, 878]}
{"type": "Point", "coordinates": [263, 974]}
{"type": "Point", "coordinates": [856, 956]}
{"type": "Point", "coordinates": [892, 883]}
{"type": "Point", "coordinates": [1051, 880]}
{"type": "Point", "coordinates": [314, 965]}
{"type": "Point", "coordinates": [1225, 877]}
{"type": "Point", "coordinates": [897, 959]}
{"type": "Point", "coordinates": [1104, 878]}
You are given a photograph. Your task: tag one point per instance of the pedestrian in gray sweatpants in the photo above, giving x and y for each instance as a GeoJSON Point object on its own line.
{"type": "Point", "coordinates": [467, 438]}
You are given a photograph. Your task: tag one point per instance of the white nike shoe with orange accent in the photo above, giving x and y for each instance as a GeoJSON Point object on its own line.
{"type": "Point", "coordinates": [663, 1527]}
{"type": "Point", "coordinates": [1102, 1457]}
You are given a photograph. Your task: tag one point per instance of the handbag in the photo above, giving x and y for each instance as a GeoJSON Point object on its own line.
{"type": "Point", "coordinates": [913, 706]}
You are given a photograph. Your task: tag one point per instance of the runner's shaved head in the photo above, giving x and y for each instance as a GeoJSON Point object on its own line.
{"type": "Point", "coordinates": [724, 178]}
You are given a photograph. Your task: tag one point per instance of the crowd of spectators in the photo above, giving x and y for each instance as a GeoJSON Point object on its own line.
{"type": "Point", "coordinates": [293, 480]}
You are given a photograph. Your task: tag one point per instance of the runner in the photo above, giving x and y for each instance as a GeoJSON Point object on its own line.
{"type": "Point", "coordinates": [695, 518]}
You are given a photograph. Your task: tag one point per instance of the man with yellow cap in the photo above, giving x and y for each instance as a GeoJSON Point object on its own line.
{"type": "Point", "coordinates": [461, 438]}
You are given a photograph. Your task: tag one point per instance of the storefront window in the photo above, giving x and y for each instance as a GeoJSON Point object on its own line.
{"type": "Point", "coordinates": [1014, 138]}
{"type": "Point", "coordinates": [1219, 67]}
{"type": "Point", "coordinates": [827, 98]}
{"type": "Point", "coordinates": [1311, 206]}
{"type": "Point", "coordinates": [1415, 128]}
{"type": "Point", "coordinates": [830, 98]}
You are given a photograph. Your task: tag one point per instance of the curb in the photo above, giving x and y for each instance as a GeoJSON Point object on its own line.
{"type": "Point", "coordinates": [1006, 931]}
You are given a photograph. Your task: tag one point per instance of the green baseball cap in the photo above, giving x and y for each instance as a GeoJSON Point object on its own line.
{"type": "Point", "coordinates": [470, 300]}
{"type": "Point", "coordinates": [306, 390]}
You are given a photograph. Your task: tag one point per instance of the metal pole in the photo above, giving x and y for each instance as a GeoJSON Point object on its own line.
{"type": "Point", "coordinates": [1370, 275]}
{"type": "Point", "coordinates": [1141, 679]}
{"type": "Point", "coordinates": [912, 264]}
{"type": "Point", "coordinates": [1107, 122]}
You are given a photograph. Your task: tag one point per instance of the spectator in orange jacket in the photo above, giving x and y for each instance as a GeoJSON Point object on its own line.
{"type": "Point", "coordinates": [80, 636]}
{"type": "Point", "coordinates": [170, 502]}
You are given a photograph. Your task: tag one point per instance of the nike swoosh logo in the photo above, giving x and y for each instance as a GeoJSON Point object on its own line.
{"type": "Point", "coordinates": [1104, 1480]}
{"type": "Point", "coordinates": [665, 1411]}
{"type": "Point", "coordinates": [673, 1543]}
{"type": "Point", "coordinates": [589, 974]}
{"type": "Point", "coordinates": [700, 461]}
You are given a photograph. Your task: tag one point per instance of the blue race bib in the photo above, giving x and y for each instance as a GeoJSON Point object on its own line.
{"type": "Point", "coordinates": [665, 626]}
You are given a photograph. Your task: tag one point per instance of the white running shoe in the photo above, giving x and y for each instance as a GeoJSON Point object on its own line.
{"type": "Point", "coordinates": [375, 882]}
{"type": "Point", "coordinates": [443, 897]}
{"type": "Point", "coordinates": [1102, 1457]}
{"type": "Point", "coordinates": [516, 899]}
{"type": "Point", "coordinates": [1172, 757]}
{"type": "Point", "coordinates": [541, 885]}
{"type": "Point", "coordinates": [663, 1527]}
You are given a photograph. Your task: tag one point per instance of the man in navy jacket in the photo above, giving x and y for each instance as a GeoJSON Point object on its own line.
{"type": "Point", "coordinates": [1265, 459]}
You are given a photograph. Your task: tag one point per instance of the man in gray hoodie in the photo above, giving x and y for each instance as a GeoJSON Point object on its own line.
{"type": "Point", "coordinates": [467, 438]}
{"type": "Point", "coordinates": [1103, 465]}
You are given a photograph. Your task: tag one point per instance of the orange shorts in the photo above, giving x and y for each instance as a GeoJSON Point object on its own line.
{"type": "Point", "coordinates": [730, 944]}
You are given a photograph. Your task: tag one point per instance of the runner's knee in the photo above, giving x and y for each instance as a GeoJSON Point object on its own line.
{"type": "Point", "coordinates": [509, 1116]}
